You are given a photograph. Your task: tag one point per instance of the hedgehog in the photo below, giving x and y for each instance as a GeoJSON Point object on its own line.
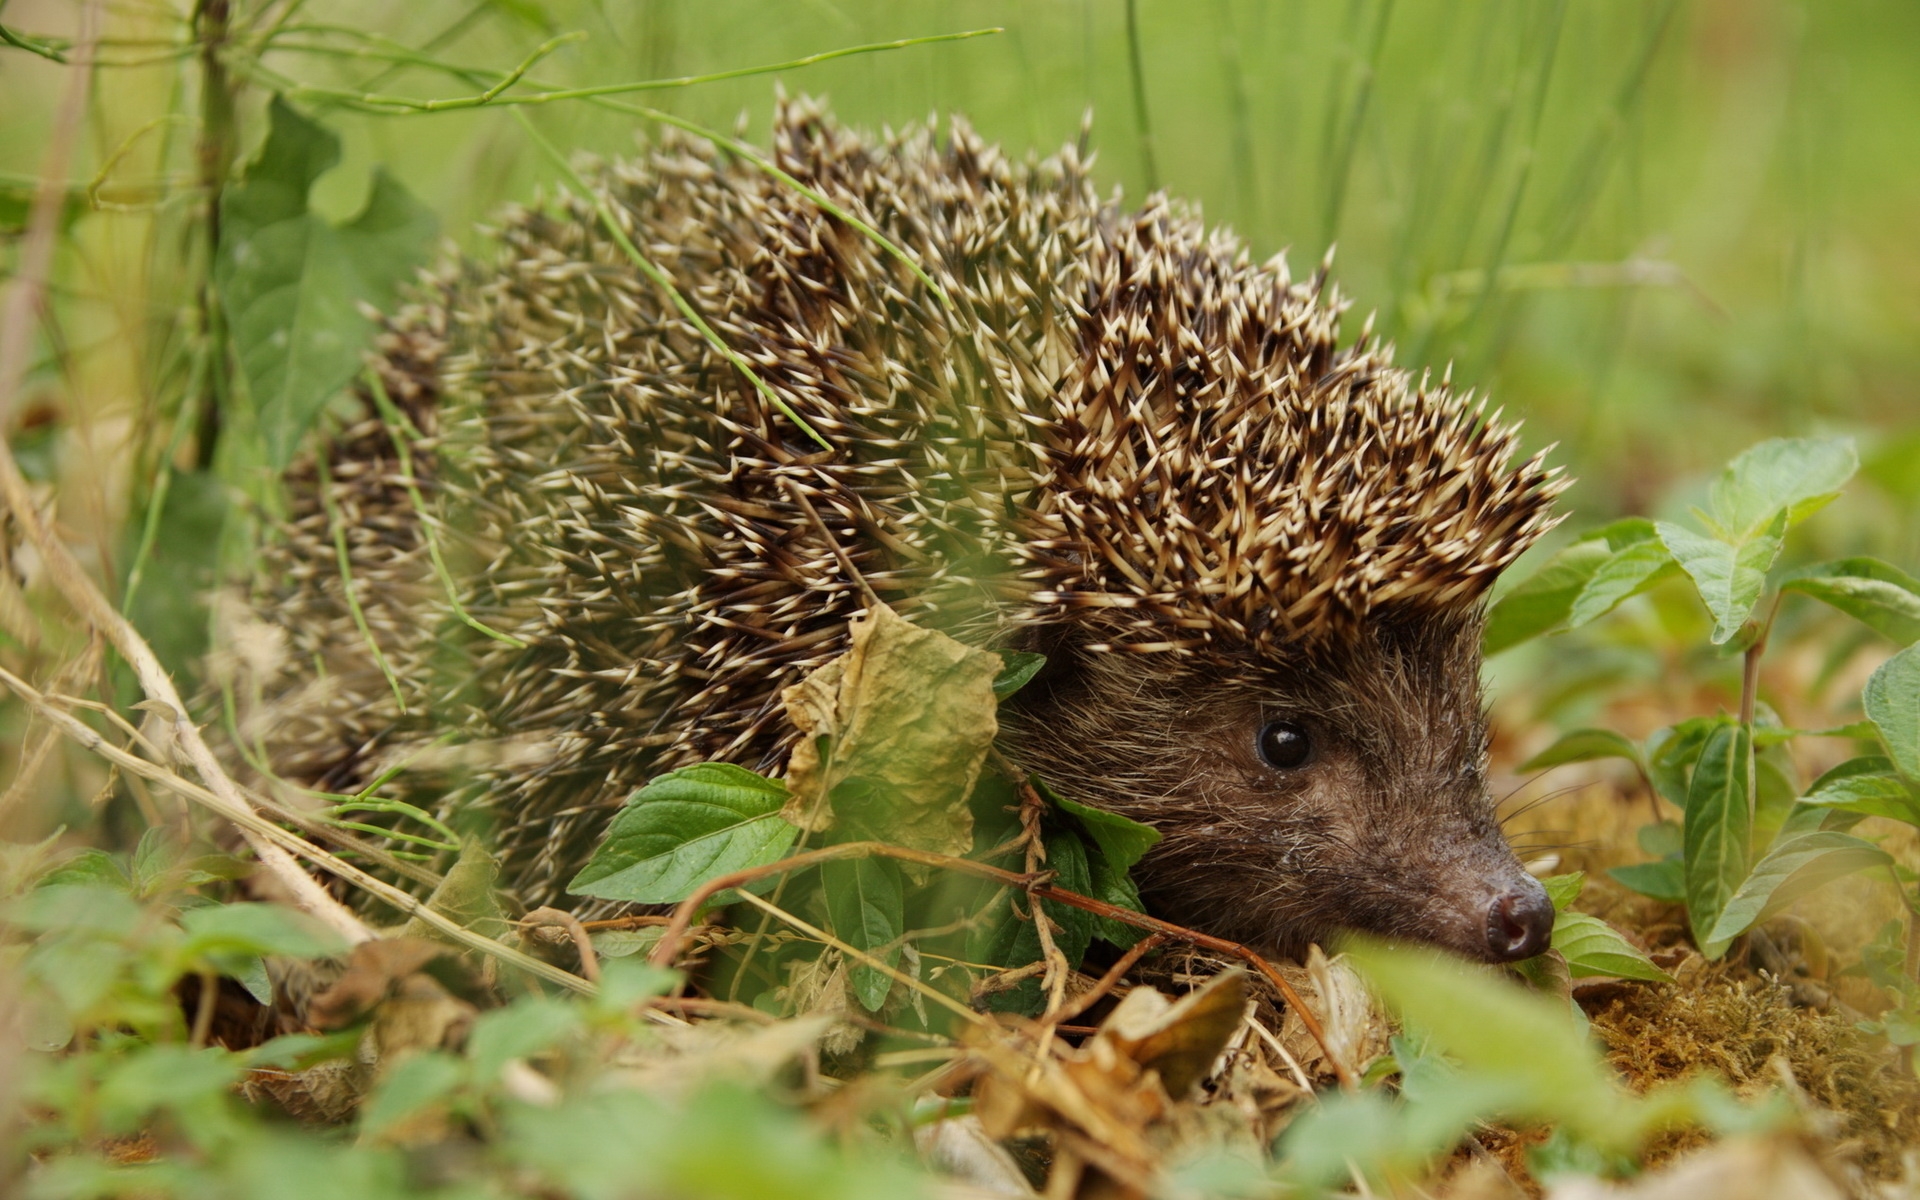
{"type": "Point", "coordinates": [597, 546]}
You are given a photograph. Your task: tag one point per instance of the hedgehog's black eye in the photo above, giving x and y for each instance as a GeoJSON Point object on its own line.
{"type": "Point", "coordinates": [1285, 744]}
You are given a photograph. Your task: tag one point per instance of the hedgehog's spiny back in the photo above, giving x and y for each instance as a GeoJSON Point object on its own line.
{"type": "Point", "coordinates": [1119, 426]}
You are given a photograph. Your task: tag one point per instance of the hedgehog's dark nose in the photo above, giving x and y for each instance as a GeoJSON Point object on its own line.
{"type": "Point", "coordinates": [1519, 924]}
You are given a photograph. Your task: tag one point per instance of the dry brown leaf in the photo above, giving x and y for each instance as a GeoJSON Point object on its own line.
{"type": "Point", "coordinates": [907, 715]}
{"type": "Point", "coordinates": [372, 970]}
{"type": "Point", "coordinates": [1356, 1030]}
{"type": "Point", "coordinates": [1179, 1039]}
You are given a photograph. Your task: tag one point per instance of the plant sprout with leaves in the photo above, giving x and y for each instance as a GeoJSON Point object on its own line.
{"type": "Point", "coordinates": [1749, 842]}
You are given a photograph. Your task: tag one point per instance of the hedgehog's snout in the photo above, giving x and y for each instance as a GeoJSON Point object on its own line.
{"type": "Point", "coordinates": [1519, 923]}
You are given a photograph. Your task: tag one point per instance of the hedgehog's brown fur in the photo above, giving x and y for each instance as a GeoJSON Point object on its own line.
{"type": "Point", "coordinates": [1121, 436]}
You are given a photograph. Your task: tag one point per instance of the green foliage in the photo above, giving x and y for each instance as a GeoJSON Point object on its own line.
{"type": "Point", "coordinates": [1750, 843]}
{"type": "Point", "coordinates": [685, 828]}
{"type": "Point", "coordinates": [868, 907]}
{"type": "Point", "coordinates": [1478, 1048]}
{"type": "Point", "coordinates": [292, 282]}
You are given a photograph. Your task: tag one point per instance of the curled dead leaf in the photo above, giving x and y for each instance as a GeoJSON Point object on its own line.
{"type": "Point", "coordinates": [897, 730]}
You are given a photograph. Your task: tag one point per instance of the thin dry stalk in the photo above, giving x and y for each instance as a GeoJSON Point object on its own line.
{"type": "Point", "coordinates": [278, 839]}
{"type": "Point", "coordinates": [16, 320]}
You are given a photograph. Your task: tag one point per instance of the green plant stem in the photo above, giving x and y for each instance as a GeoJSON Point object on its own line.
{"type": "Point", "coordinates": [399, 429]}
{"type": "Point", "coordinates": [372, 102]}
{"type": "Point", "coordinates": [746, 152]}
{"type": "Point", "coordinates": [337, 527]}
{"type": "Point", "coordinates": [664, 283]}
{"type": "Point", "coordinates": [1143, 123]}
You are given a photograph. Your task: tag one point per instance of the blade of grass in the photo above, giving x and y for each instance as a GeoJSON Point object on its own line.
{"type": "Point", "coordinates": [399, 429]}
{"type": "Point", "coordinates": [665, 284]}
{"type": "Point", "coordinates": [338, 530]}
{"type": "Point", "coordinates": [373, 102]}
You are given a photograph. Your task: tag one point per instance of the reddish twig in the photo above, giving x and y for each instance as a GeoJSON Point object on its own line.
{"type": "Point", "coordinates": [567, 923]}
{"type": "Point", "coordinates": [668, 948]}
{"type": "Point", "coordinates": [1087, 999]}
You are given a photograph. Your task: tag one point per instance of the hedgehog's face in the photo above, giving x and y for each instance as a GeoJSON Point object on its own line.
{"type": "Point", "coordinates": [1298, 799]}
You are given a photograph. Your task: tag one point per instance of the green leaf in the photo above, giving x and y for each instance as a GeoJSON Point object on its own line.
{"type": "Point", "coordinates": [167, 602]}
{"type": "Point", "coordinates": [1497, 1030]}
{"type": "Point", "coordinates": [1541, 601]}
{"type": "Point", "coordinates": [76, 908]}
{"type": "Point", "coordinates": [1021, 666]}
{"type": "Point", "coordinates": [520, 1030]}
{"type": "Point", "coordinates": [1729, 576]}
{"type": "Point", "coordinates": [1586, 745]}
{"type": "Point", "coordinates": [685, 828]}
{"type": "Point", "coordinates": [89, 868]}
{"type": "Point", "coordinates": [164, 1077]}
{"type": "Point", "coordinates": [1671, 753]}
{"type": "Point", "coordinates": [292, 283]}
{"type": "Point", "coordinates": [1867, 785]}
{"type": "Point", "coordinates": [1795, 476]}
{"type": "Point", "coordinates": [1665, 880]}
{"type": "Point", "coordinates": [1563, 890]}
{"type": "Point", "coordinates": [1122, 839]}
{"type": "Point", "coordinates": [1794, 867]}
{"type": "Point", "coordinates": [1116, 887]}
{"type": "Point", "coordinates": [1625, 573]}
{"type": "Point", "coordinates": [1718, 829]}
{"type": "Point", "coordinates": [867, 904]}
{"type": "Point", "coordinates": [410, 1086]}
{"type": "Point", "coordinates": [257, 929]}
{"type": "Point", "coordinates": [1893, 705]}
{"type": "Point", "coordinates": [1012, 942]}
{"type": "Point", "coordinates": [1593, 947]}
{"type": "Point", "coordinates": [1879, 595]}
{"type": "Point", "coordinates": [1662, 839]}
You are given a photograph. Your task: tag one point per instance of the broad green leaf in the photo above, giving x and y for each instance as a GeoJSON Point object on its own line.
{"type": "Point", "coordinates": [243, 929]}
{"type": "Point", "coordinates": [1893, 705]}
{"type": "Point", "coordinates": [1729, 577]}
{"type": "Point", "coordinates": [1625, 573]}
{"type": "Point", "coordinates": [1593, 947]}
{"type": "Point", "coordinates": [1719, 829]}
{"type": "Point", "coordinates": [1067, 855]}
{"type": "Point", "coordinates": [75, 908]}
{"type": "Point", "coordinates": [1116, 887]}
{"type": "Point", "coordinates": [88, 868]}
{"type": "Point", "coordinates": [1879, 595]}
{"type": "Point", "coordinates": [906, 716]}
{"type": "Point", "coordinates": [409, 1087]}
{"type": "Point", "coordinates": [1494, 1029]}
{"type": "Point", "coordinates": [1867, 785]}
{"type": "Point", "coordinates": [1122, 839]}
{"type": "Point", "coordinates": [1671, 753]}
{"type": "Point", "coordinates": [1794, 867]}
{"type": "Point", "coordinates": [1020, 668]}
{"type": "Point", "coordinates": [1541, 601]}
{"type": "Point", "coordinates": [292, 283]}
{"type": "Point", "coordinates": [1661, 838]}
{"type": "Point", "coordinates": [1665, 880]}
{"type": "Point", "coordinates": [520, 1030]}
{"type": "Point", "coordinates": [685, 828]}
{"type": "Point", "coordinates": [1795, 476]}
{"type": "Point", "coordinates": [1563, 890]}
{"type": "Point", "coordinates": [169, 604]}
{"type": "Point", "coordinates": [1011, 941]}
{"type": "Point", "coordinates": [164, 1077]}
{"type": "Point", "coordinates": [867, 903]}
{"type": "Point", "coordinates": [1585, 745]}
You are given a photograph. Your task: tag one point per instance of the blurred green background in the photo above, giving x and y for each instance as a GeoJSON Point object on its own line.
{"type": "Point", "coordinates": [1657, 230]}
